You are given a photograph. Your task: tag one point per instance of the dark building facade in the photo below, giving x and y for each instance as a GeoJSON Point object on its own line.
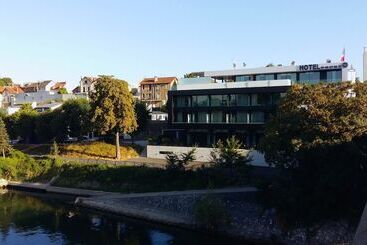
{"type": "Point", "coordinates": [220, 104]}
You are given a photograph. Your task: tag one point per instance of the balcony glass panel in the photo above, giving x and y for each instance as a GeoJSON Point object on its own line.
{"type": "Point", "coordinates": [200, 100]}
{"type": "Point", "coordinates": [217, 117]}
{"type": "Point", "coordinates": [257, 117]}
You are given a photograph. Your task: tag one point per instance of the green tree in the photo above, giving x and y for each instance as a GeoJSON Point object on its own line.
{"type": "Point", "coordinates": [190, 75]}
{"type": "Point", "coordinates": [63, 91]}
{"type": "Point", "coordinates": [113, 108]}
{"type": "Point", "coordinates": [45, 126]}
{"type": "Point", "coordinates": [318, 141]}
{"type": "Point", "coordinates": [75, 117]}
{"type": "Point", "coordinates": [4, 139]}
{"type": "Point", "coordinates": [142, 118]}
{"type": "Point", "coordinates": [178, 162]}
{"type": "Point", "coordinates": [228, 153]}
{"type": "Point", "coordinates": [6, 81]}
{"type": "Point", "coordinates": [23, 123]}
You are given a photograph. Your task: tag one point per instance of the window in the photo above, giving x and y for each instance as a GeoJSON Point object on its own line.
{"type": "Point", "coordinates": [217, 117]}
{"type": "Point", "coordinates": [290, 76]}
{"type": "Point", "coordinates": [242, 99]}
{"type": "Point", "coordinates": [257, 117]}
{"type": "Point", "coordinates": [200, 100]}
{"type": "Point", "coordinates": [263, 77]}
{"type": "Point", "coordinates": [241, 117]}
{"type": "Point", "coordinates": [219, 100]}
{"type": "Point", "coordinates": [183, 101]}
{"type": "Point", "coordinates": [263, 99]}
{"type": "Point", "coordinates": [276, 98]}
{"type": "Point", "coordinates": [182, 117]}
{"type": "Point", "coordinates": [202, 117]}
{"type": "Point", "coordinates": [309, 77]}
{"type": "Point", "coordinates": [334, 76]}
{"type": "Point", "coordinates": [243, 78]}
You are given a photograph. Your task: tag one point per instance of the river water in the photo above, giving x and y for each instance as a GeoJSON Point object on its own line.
{"type": "Point", "coordinates": [37, 219]}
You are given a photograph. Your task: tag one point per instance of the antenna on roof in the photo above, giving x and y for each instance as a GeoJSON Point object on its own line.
{"type": "Point", "coordinates": [234, 65]}
{"type": "Point", "coordinates": [244, 64]}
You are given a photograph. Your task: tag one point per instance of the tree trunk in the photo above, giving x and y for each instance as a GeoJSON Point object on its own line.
{"type": "Point", "coordinates": [118, 154]}
{"type": "Point", "coordinates": [3, 153]}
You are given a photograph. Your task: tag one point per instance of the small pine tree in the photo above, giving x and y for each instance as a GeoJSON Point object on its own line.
{"type": "Point", "coordinates": [54, 149]}
{"type": "Point", "coordinates": [4, 139]}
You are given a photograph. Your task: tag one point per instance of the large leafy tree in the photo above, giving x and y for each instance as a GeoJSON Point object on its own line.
{"type": "Point", "coordinates": [22, 123]}
{"type": "Point", "coordinates": [142, 117]}
{"type": "Point", "coordinates": [113, 108]}
{"type": "Point", "coordinates": [75, 117]}
{"type": "Point", "coordinates": [6, 81]}
{"type": "Point", "coordinates": [318, 141]}
{"type": "Point", "coordinates": [4, 139]}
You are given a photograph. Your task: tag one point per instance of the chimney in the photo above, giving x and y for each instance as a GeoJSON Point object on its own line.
{"type": "Point", "coordinates": [155, 79]}
{"type": "Point", "coordinates": [364, 64]}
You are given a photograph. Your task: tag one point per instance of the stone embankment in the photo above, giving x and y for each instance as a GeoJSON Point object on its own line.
{"type": "Point", "coordinates": [249, 220]}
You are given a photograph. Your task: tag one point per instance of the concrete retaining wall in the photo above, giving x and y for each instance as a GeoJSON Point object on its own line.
{"type": "Point", "coordinates": [202, 153]}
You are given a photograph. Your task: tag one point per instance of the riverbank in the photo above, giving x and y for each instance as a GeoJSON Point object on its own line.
{"type": "Point", "coordinates": [249, 221]}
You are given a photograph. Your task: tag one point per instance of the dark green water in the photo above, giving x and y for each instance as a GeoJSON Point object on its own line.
{"type": "Point", "coordinates": [37, 219]}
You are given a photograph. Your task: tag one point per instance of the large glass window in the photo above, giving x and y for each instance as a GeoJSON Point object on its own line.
{"type": "Point", "coordinates": [183, 101]}
{"type": "Point", "coordinates": [334, 76]}
{"type": "Point", "coordinates": [219, 100]}
{"type": "Point", "coordinates": [263, 77]}
{"type": "Point", "coordinates": [290, 76]}
{"type": "Point", "coordinates": [200, 100]}
{"type": "Point", "coordinates": [276, 98]}
{"type": "Point", "coordinates": [217, 117]}
{"type": "Point", "coordinates": [241, 117]}
{"type": "Point", "coordinates": [243, 99]}
{"type": "Point", "coordinates": [263, 99]}
{"type": "Point", "coordinates": [257, 117]}
{"type": "Point", "coordinates": [254, 99]}
{"type": "Point", "coordinates": [309, 77]}
{"type": "Point", "coordinates": [202, 117]}
{"type": "Point", "coordinates": [243, 78]}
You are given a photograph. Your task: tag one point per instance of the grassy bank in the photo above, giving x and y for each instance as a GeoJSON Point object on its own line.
{"type": "Point", "coordinates": [93, 150]}
{"type": "Point", "coordinates": [146, 179]}
{"type": "Point", "coordinates": [126, 179]}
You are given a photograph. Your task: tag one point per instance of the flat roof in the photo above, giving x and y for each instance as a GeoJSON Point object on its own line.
{"type": "Point", "coordinates": [277, 69]}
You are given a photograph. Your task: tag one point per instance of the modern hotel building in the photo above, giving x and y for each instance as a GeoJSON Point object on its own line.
{"type": "Point", "coordinates": [217, 104]}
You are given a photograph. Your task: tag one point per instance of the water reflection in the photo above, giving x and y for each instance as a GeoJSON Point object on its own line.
{"type": "Point", "coordinates": [38, 219]}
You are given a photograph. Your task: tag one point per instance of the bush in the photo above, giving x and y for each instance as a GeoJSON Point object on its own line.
{"type": "Point", "coordinates": [178, 162]}
{"type": "Point", "coordinates": [211, 213]}
{"type": "Point", "coordinates": [228, 154]}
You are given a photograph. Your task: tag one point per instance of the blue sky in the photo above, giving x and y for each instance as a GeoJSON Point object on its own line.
{"type": "Point", "coordinates": [67, 39]}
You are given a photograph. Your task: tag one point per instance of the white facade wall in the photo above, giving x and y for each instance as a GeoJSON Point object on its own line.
{"type": "Point", "coordinates": [41, 97]}
{"type": "Point", "coordinates": [202, 153]}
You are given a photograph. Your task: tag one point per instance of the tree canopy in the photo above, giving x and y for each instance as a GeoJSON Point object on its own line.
{"type": "Point", "coordinates": [4, 139]}
{"type": "Point", "coordinates": [318, 140]}
{"type": "Point", "coordinates": [113, 108]}
{"type": "Point", "coordinates": [6, 81]}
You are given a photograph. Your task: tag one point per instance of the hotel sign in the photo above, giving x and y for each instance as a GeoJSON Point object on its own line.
{"type": "Point", "coordinates": [316, 67]}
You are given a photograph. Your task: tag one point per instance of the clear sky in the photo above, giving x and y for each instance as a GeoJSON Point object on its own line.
{"type": "Point", "coordinates": [67, 39]}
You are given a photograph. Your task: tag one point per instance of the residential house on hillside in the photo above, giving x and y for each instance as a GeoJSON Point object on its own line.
{"type": "Point", "coordinates": [76, 90]}
{"type": "Point", "coordinates": [37, 86]}
{"type": "Point", "coordinates": [153, 91]}
{"type": "Point", "coordinates": [7, 93]}
{"type": "Point", "coordinates": [87, 84]}
{"type": "Point", "coordinates": [57, 86]}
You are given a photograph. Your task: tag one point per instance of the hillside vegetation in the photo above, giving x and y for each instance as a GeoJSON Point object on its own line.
{"type": "Point", "coordinates": [94, 150]}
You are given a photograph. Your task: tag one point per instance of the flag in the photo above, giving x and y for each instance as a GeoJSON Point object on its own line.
{"type": "Point", "coordinates": [342, 58]}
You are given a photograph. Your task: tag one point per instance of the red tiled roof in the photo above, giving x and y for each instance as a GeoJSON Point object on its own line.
{"type": "Point", "coordinates": [158, 80]}
{"type": "Point", "coordinates": [58, 85]}
{"type": "Point", "coordinates": [11, 89]}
